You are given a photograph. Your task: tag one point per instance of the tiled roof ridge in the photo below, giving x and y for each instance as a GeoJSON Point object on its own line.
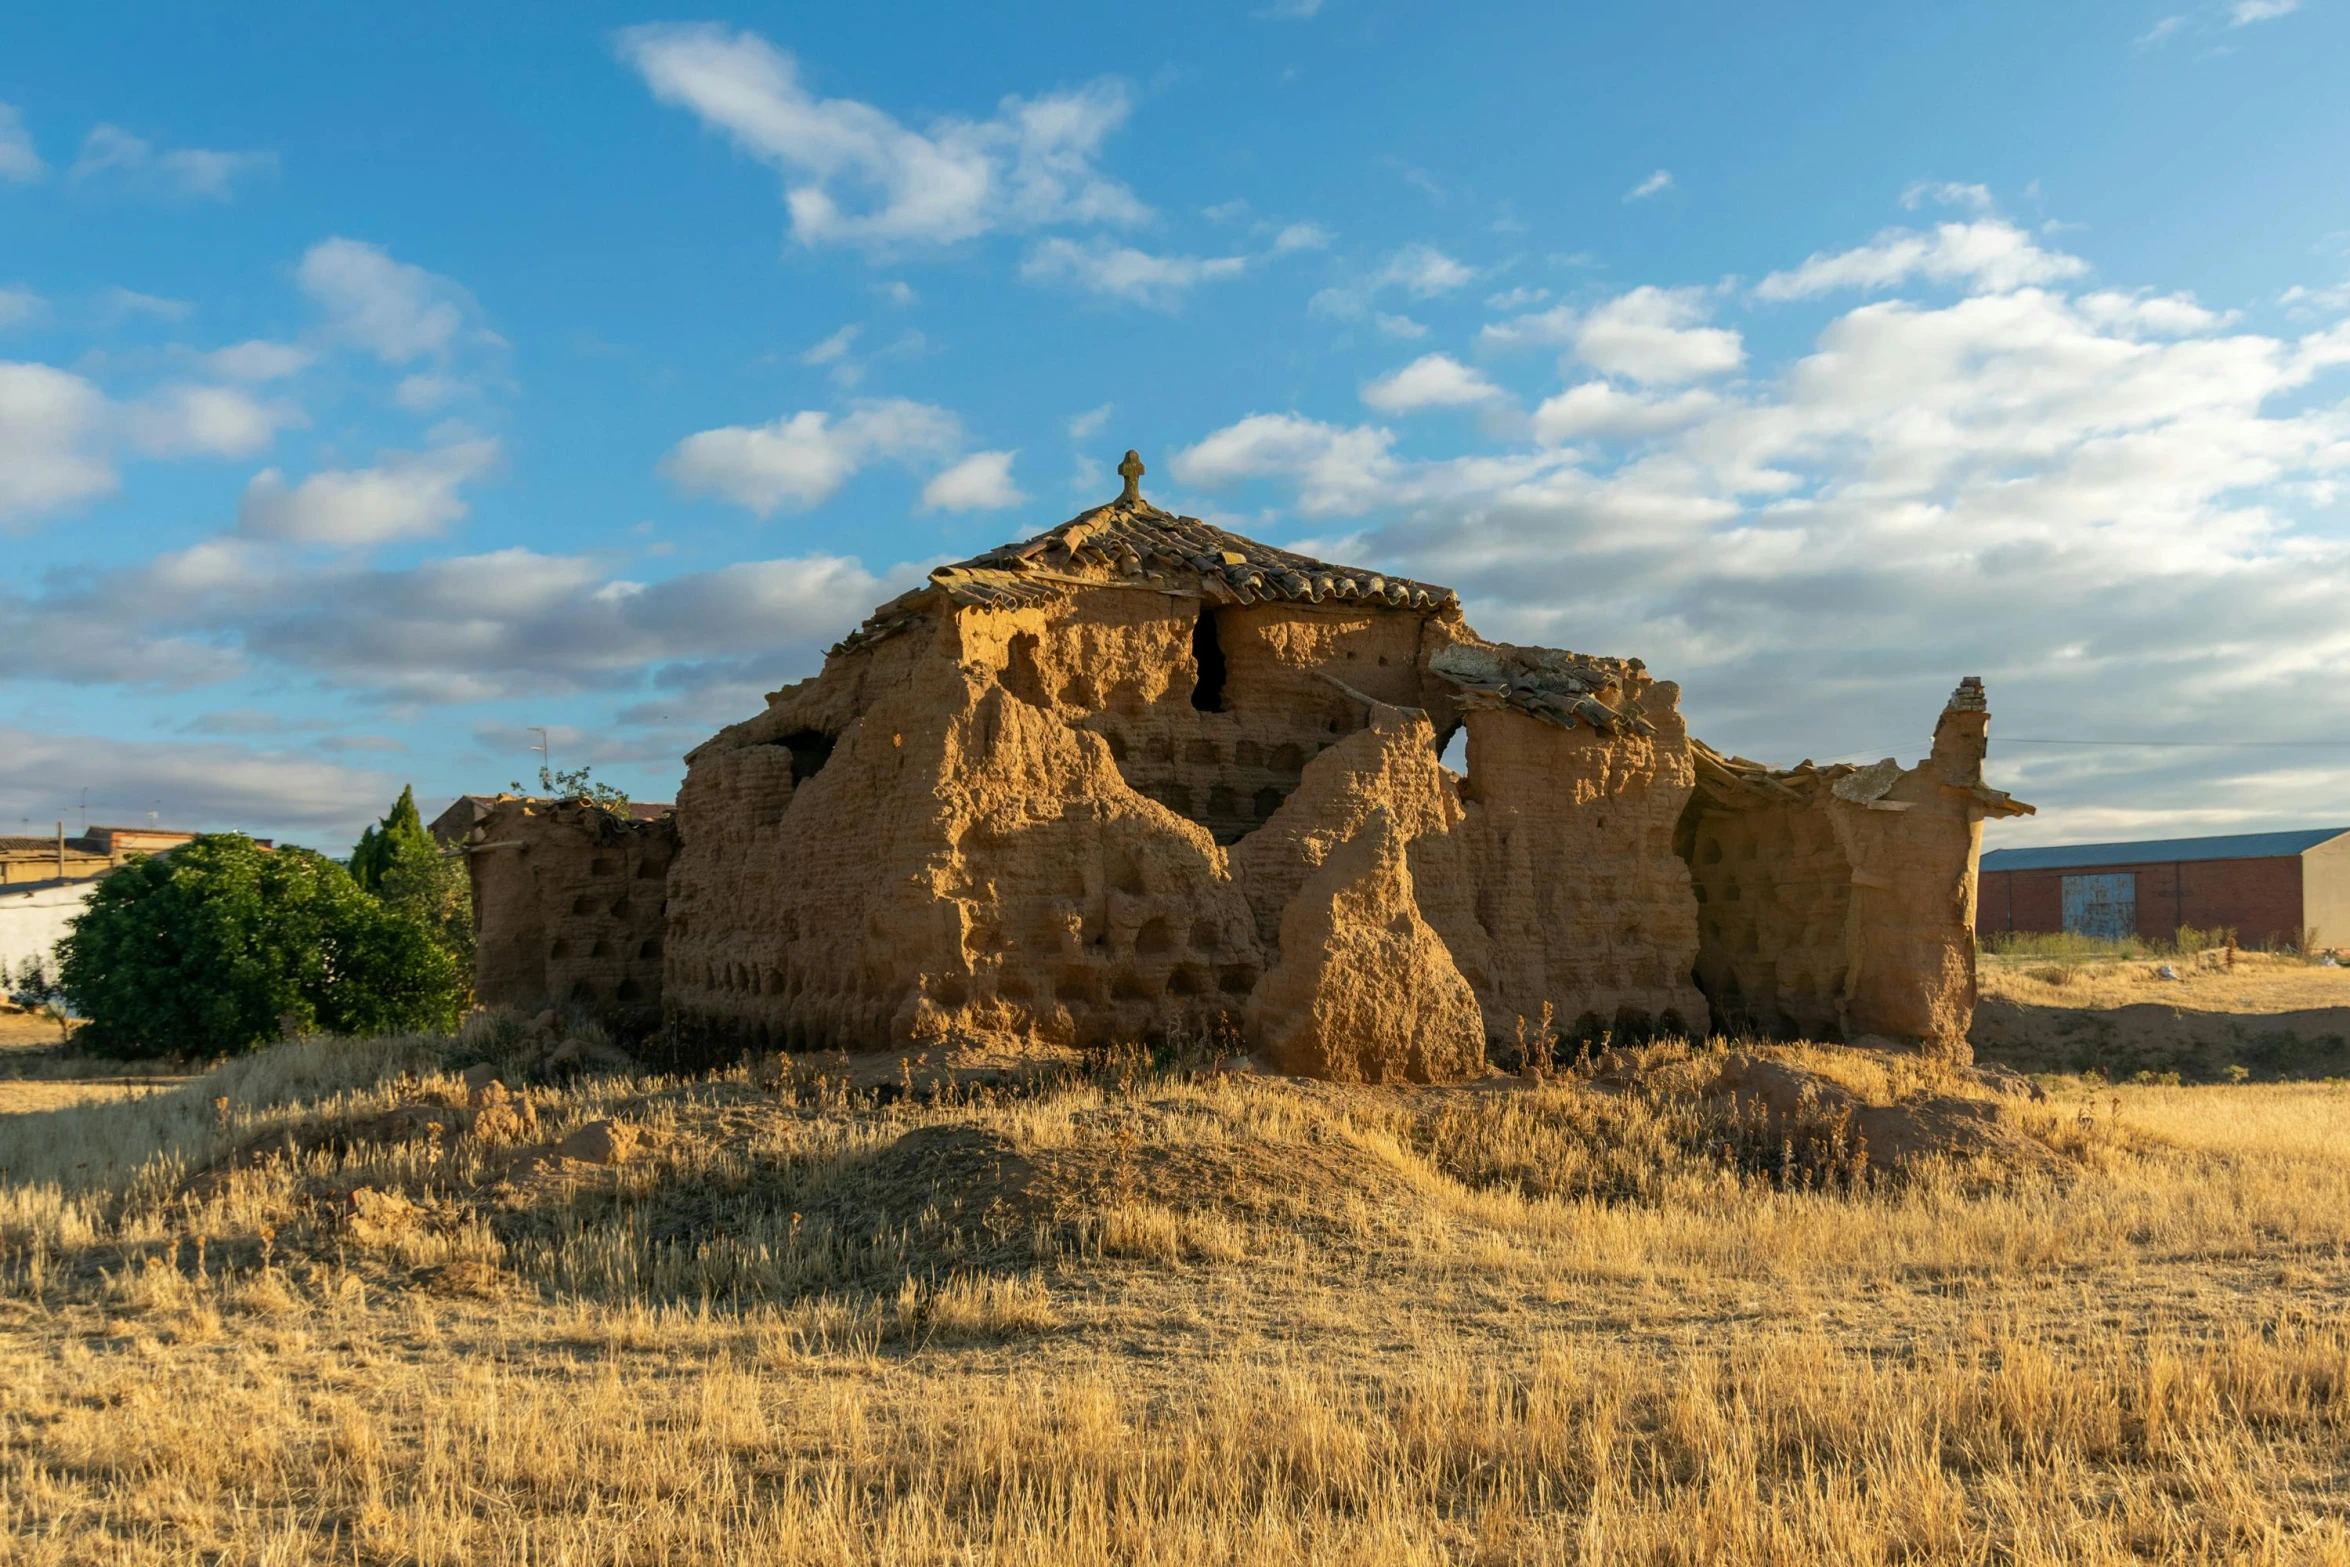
{"type": "Point", "coordinates": [1135, 539]}
{"type": "Point", "coordinates": [1130, 542]}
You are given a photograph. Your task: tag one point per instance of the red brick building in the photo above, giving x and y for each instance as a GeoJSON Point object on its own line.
{"type": "Point", "coordinates": [2269, 887]}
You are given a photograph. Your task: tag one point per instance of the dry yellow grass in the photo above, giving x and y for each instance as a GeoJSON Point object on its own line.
{"type": "Point", "coordinates": [1158, 1320]}
{"type": "Point", "coordinates": [2258, 982]}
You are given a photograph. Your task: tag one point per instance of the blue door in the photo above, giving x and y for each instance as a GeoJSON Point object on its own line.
{"type": "Point", "coordinates": [2102, 905]}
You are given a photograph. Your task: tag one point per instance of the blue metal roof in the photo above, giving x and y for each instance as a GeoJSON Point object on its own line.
{"type": "Point", "coordinates": [2162, 851]}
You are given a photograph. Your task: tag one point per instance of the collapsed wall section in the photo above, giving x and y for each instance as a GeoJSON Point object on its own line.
{"type": "Point", "coordinates": [1838, 902]}
{"type": "Point", "coordinates": [570, 909]}
{"type": "Point", "coordinates": [1774, 901]}
{"type": "Point", "coordinates": [1578, 771]}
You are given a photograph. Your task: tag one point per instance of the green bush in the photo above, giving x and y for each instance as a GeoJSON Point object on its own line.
{"type": "Point", "coordinates": [399, 862]}
{"type": "Point", "coordinates": [224, 945]}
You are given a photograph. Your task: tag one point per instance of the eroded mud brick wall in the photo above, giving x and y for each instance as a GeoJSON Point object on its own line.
{"type": "Point", "coordinates": [1019, 827]}
{"type": "Point", "coordinates": [1838, 903]}
{"type": "Point", "coordinates": [1914, 849]}
{"type": "Point", "coordinates": [1774, 902]}
{"type": "Point", "coordinates": [569, 907]}
{"type": "Point", "coordinates": [1587, 907]}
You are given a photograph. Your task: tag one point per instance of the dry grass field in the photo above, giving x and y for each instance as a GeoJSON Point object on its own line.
{"type": "Point", "coordinates": [2263, 1017]}
{"type": "Point", "coordinates": [296, 1311]}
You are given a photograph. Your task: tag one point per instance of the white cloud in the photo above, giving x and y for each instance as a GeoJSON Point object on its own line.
{"type": "Point", "coordinates": [259, 360]}
{"type": "Point", "coordinates": [1402, 328]}
{"type": "Point", "coordinates": [2159, 315]}
{"type": "Point", "coordinates": [406, 496]}
{"type": "Point", "coordinates": [120, 304]}
{"type": "Point", "coordinates": [189, 785]}
{"type": "Point", "coordinates": [396, 311]}
{"type": "Point", "coordinates": [1656, 184]}
{"type": "Point", "coordinates": [897, 292]}
{"type": "Point", "coordinates": [1596, 408]}
{"type": "Point", "coordinates": [855, 175]}
{"type": "Point", "coordinates": [208, 421]}
{"type": "Point", "coordinates": [1085, 426]}
{"type": "Point", "coordinates": [193, 173]}
{"type": "Point", "coordinates": [1947, 193]}
{"type": "Point", "coordinates": [2160, 32]}
{"type": "Point", "coordinates": [1302, 236]}
{"type": "Point", "coordinates": [833, 348]}
{"type": "Point", "coordinates": [21, 307]}
{"type": "Point", "coordinates": [1431, 381]}
{"type": "Point", "coordinates": [18, 160]}
{"type": "Point", "coordinates": [1122, 272]}
{"type": "Point", "coordinates": [53, 427]}
{"type": "Point", "coordinates": [980, 482]}
{"type": "Point", "coordinates": [1648, 334]}
{"type": "Point", "coordinates": [1420, 270]}
{"type": "Point", "coordinates": [1335, 470]}
{"type": "Point", "coordinates": [2245, 12]}
{"type": "Point", "coordinates": [423, 393]}
{"type": "Point", "coordinates": [802, 459]}
{"type": "Point", "coordinates": [1517, 298]}
{"type": "Point", "coordinates": [2106, 503]}
{"type": "Point", "coordinates": [1990, 255]}
{"type": "Point", "coordinates": [1291, 10]}
{"type": "Point", "coordinates": [1654, 335]}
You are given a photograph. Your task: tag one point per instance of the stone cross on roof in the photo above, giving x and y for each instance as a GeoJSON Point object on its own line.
{"type": "Point", "coordinates": [1131, 471]}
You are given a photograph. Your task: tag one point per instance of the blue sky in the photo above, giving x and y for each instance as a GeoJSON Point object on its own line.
{"type": "Point", "coordinates": [373, 388]}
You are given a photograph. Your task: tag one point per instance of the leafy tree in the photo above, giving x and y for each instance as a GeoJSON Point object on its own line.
{"type": "Point", "coordinates": [379, 845]}
{"type": "Point", "coordinates": [574, 784]}
{"type": "Point", "coordinates": [224, 945]}
{"type": "Point", "coordinates": [408, 871]}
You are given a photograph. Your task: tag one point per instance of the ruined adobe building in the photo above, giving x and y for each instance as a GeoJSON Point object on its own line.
{"type": "Point", "coordinates": [1139, 777]}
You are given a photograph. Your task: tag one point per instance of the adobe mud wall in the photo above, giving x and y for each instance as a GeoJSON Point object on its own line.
{"type": "Point", "coordinates": [569, 910]}
{"type": "Point", "coordinates": [1142, 779]}
{"type": "Point", "coordinates": [1839, 903]}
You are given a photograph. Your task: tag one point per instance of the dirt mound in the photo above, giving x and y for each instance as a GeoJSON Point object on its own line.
{"type": "Point", "coordinates": [1796, 1116]}
{"type": "Point", "coordinates": [996, 1199]}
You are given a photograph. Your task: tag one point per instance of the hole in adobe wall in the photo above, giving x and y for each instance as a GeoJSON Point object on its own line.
{"type": "Point", "coordinates": [650, 948]}
{"type": "Point", "coordinates": [1207, 692]}
{"type": "Point", "coordinates": [1205, 937]}
{"type": "Point", "coordinates": [629, 991]}
{"type": "Point", "coordinates": [810, 750]}
{"type": "Point", "coordinates": [602, 949]}
{"type": "Point", "coordinates": [1152, 937]}
{"type": "Point", "coordinates": [579, 905]}
{"type": "Point", "coordinates": [651, 870]}
{"type": "Point", "coordinates": [1186, 981]}
{"type": "Point", "coordinates": [1268, 801]}
{"type": "Point", "coordinates": [600, 867]}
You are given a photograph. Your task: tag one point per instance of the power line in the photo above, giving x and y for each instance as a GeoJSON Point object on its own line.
{"type": "Point", "coordinates": [2199, 745]}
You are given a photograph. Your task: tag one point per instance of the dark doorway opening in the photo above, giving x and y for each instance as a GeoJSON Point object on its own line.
{"type": "Point", "coordinates": [1208, 694]}
{"type": "Point", "coordinates": [810, 750]}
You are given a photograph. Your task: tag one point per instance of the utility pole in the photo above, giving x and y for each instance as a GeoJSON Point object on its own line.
{"type": "Point", "coordinates": [546, 751]}
{"type": "Point", "coordinates": [61, 851]}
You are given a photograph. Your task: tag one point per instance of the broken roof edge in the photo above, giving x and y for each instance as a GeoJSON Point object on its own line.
{"type": "Point", "coordinates": [1737, 781]}
{"type": "Point", "coordinates": [1553, 685]}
